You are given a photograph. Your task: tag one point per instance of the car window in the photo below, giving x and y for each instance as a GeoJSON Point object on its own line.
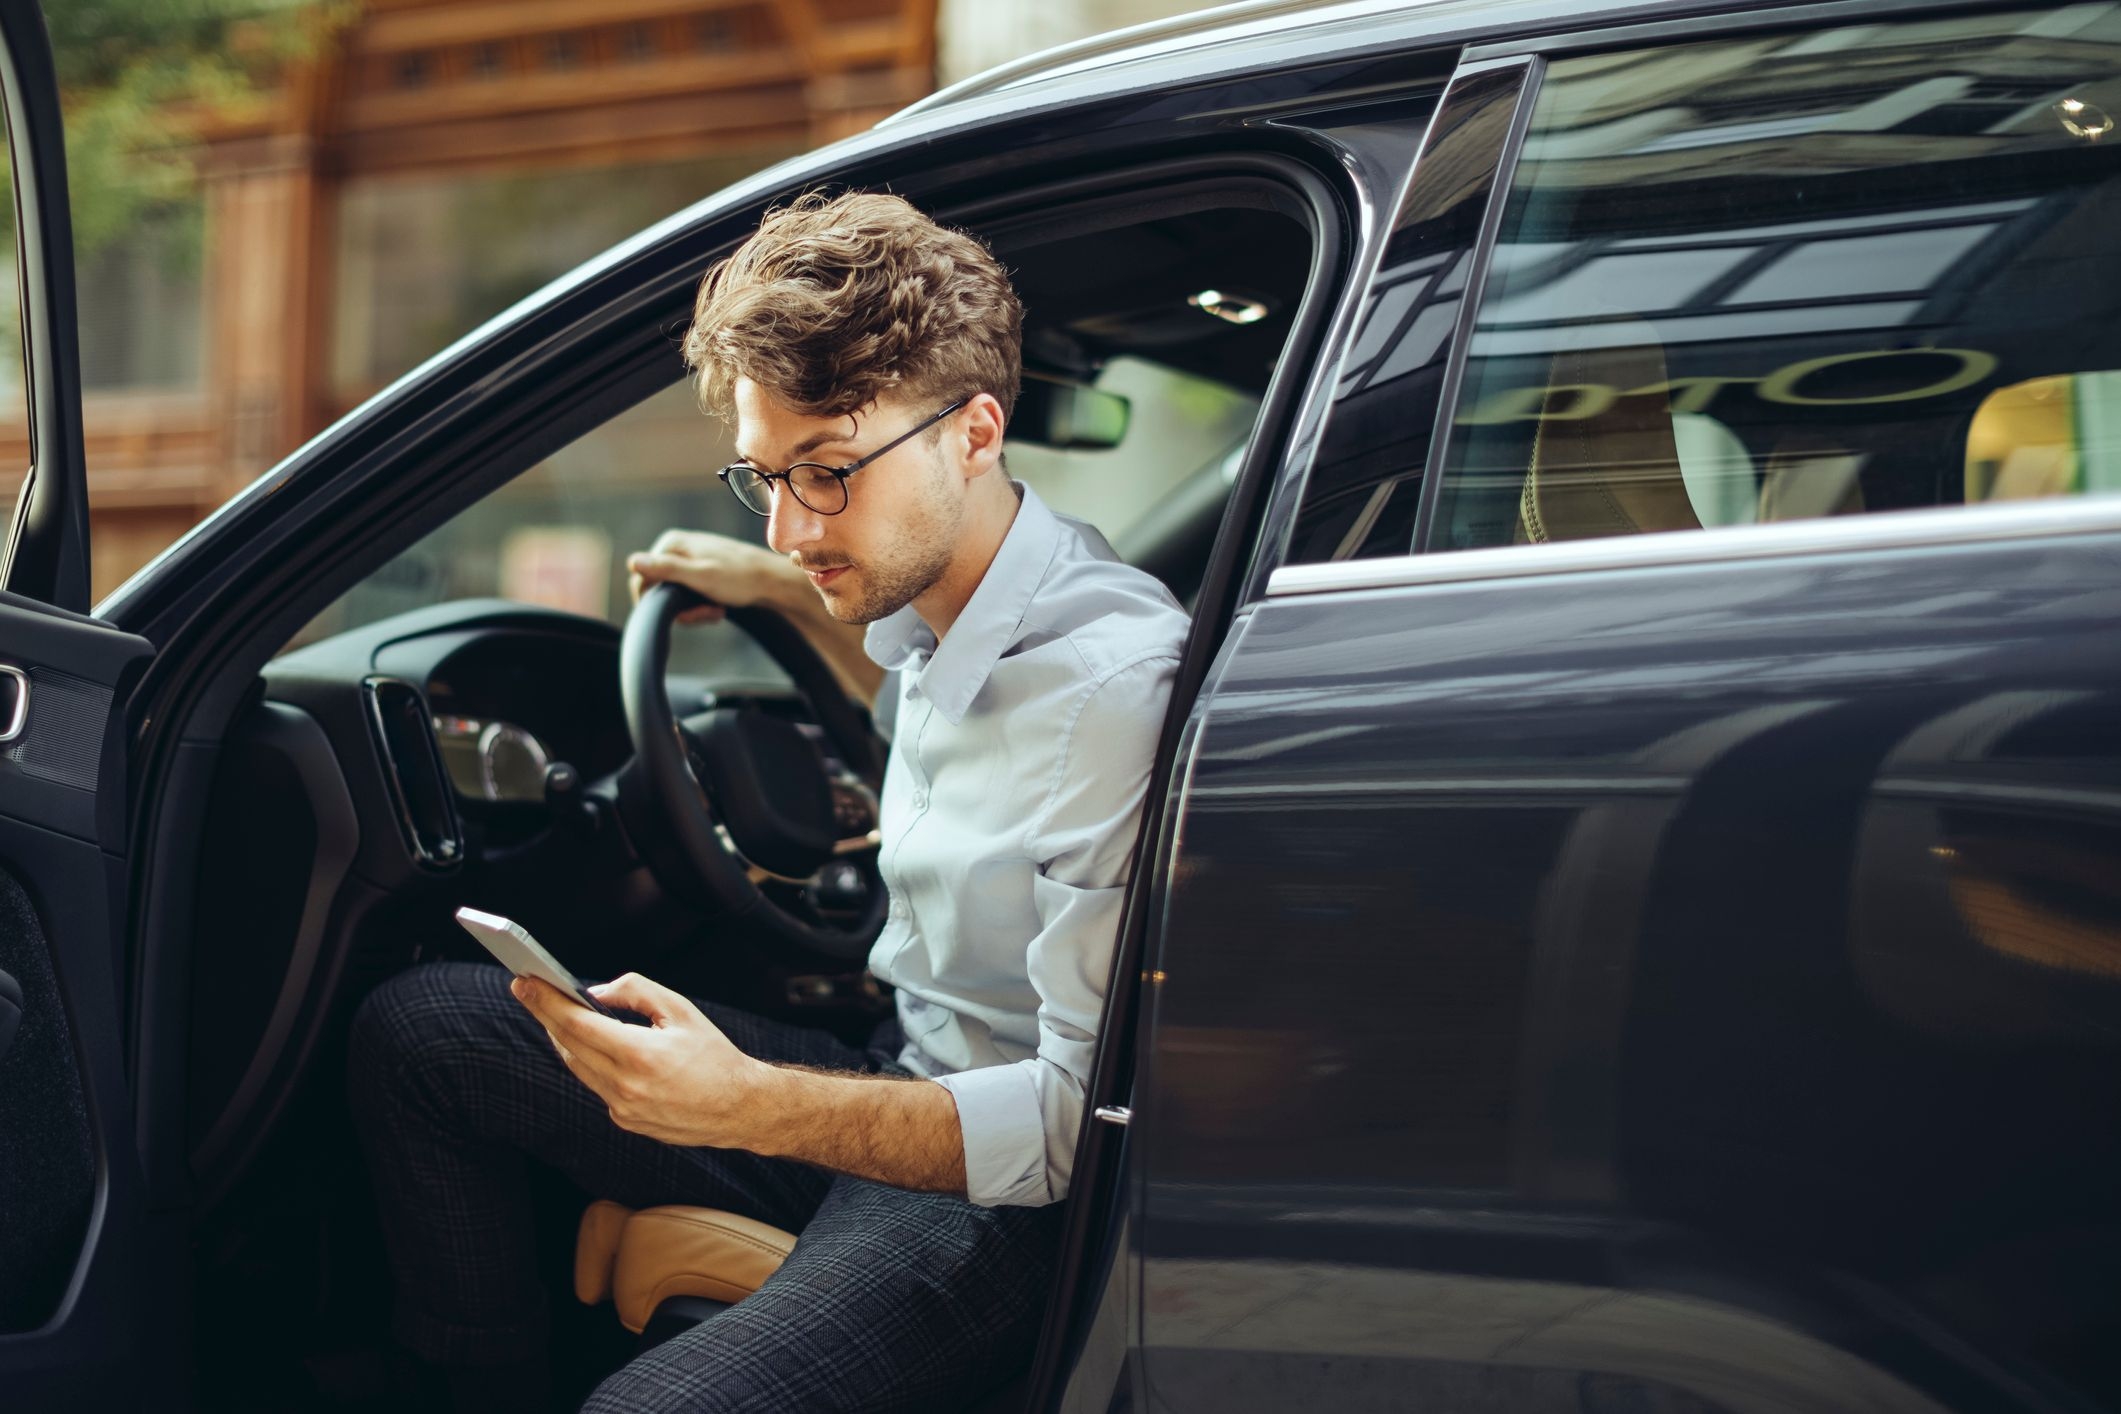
{"type": "Point", "coordinates": [1178, 424]}
{"type": "Point", "coordinates": [558, 534]}
{"type": "Point", "coordinates": [1769, 279]}
{"type": "Point", "coordinates": [14, 391]}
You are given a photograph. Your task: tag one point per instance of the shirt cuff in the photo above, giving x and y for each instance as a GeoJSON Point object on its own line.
{"type": "Point", "coordinates": [1005, 1135]}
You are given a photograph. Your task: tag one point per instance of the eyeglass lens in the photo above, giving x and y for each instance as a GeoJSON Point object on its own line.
{"type": "Point", "coordinates": [815, 486]}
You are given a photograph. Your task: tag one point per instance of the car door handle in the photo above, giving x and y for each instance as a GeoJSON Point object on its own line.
{"type": "Point", "coordinates": [14, 702]}
{"type": "Point", "coordinates": [10, 1011]}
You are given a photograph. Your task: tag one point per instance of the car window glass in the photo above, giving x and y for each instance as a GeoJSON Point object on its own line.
{"type": "Point", "coordinates": [14, 390]}
{"type": "Point", "coordinates": [558, 535]}
{"type": "Point", "coordinates": [2052, 436]}
{"type": "Point", "coordinates": [1178, 426]}
{"type": "Point", "coordinates": [1777, 278]}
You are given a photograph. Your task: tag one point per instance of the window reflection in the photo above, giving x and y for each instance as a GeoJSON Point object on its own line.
{"type": "Point", "coordinates": [1770, 279]}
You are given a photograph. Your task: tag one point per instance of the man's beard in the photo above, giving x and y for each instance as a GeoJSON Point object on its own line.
{"type": "Point", "coordinates": [886, 589]}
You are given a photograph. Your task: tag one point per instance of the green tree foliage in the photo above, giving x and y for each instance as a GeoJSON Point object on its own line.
{"type": "Point", "coordinates": [128, 67]}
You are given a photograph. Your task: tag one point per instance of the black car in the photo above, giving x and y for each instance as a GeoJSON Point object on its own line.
{"type": "Point", "coordinates": [1631, 917]}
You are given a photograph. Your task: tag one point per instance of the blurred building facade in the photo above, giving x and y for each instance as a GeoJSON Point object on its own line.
{"type": "Point", "coordinates": [436, 161]}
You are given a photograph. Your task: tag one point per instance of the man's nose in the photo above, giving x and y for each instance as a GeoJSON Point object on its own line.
{"type": "Point", "coordinates": [791, 523]}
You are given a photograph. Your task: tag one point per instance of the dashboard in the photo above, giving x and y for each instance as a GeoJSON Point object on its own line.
{"type": "Point", "coordinates": [490, 759]}
{"type": "Point", "coordinates": [385, 775]}
{"type": "Point", "coordinates": [469, 708]}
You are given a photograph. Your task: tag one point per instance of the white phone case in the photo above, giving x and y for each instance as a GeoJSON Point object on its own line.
{"type": "Point", "coordinates": [510, 942]}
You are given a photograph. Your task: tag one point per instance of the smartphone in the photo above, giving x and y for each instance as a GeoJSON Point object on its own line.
{"type": "Point", "coordinates": [511, 943]}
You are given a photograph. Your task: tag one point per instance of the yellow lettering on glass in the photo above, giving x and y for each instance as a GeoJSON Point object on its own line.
{"type": "Point", "coordinates": [1571, 402]}
{"type": "Point", "coordinates": [1781, 385]}
{"type": "Point", "coordinates": [1538, 404]}
{"type": "Point", "coordinates": [1694, 394]}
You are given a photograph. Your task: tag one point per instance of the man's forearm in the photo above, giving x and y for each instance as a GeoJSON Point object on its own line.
{"type": "Point", "coordinates": [901, 1132]}
{"type": "Point", "coordinates": [840, 645]}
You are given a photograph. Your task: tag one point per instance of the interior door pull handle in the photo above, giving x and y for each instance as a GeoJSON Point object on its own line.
{"type": "Point", "coordinates": [17, 715]}
{"type": "Point", "coordinates": [1114, 1114]}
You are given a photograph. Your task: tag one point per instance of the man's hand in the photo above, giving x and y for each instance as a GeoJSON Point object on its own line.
{"type": "Point", "coordinates": [682, 1081]}
{"type": "Point", "coordinates": [733, 573]}
{"type": "Point", "coordinates": [679, 1079]}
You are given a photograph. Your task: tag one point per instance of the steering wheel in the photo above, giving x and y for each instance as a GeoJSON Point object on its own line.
{"type": "Point", "coordinates": [740, 807]}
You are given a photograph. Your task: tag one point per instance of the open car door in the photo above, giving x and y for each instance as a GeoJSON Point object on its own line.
{"type": "Point", "coordinates": [77, 1267]}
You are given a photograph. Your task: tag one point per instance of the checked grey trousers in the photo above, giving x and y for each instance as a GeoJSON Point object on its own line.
{"type": "Point", "coordinates": [891, 1299]}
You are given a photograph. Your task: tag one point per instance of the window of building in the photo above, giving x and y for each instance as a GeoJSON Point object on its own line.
{"type": "Point", "coordinates": [139, 308]}
{"type": "Point", "coordinates": [1769, 279]}
{"type": "Point", "coordinates": [141, 304]}
{"type": "Point", "coordinates": [424, 259]}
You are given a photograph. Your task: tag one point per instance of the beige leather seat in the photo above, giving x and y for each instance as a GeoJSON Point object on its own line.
{"type": "Point", "coordinates": [1614, 473]}
{"type": "Point", "coordinates": [1619, 472]}
{"type": "Point", "coordinates": [640, 1259]}
{"type": "Point", "coordinates": [689, 1262]}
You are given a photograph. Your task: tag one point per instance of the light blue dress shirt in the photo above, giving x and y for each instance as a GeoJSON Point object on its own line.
{"type": "Point", "coordinates": [1020, 753]}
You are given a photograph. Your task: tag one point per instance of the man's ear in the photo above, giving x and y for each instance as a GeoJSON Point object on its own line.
{"type": "Point", "coordinates": [980, 424]}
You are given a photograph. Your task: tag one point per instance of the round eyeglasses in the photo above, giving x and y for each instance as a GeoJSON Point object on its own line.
{"type": "Point", "coordinates": [821, 488]}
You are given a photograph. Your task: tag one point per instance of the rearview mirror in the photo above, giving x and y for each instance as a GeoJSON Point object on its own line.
{"type": "Point", "coordinates": [1057, 412]}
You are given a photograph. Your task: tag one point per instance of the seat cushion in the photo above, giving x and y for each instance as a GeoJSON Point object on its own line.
{"type": "Point", "coordinates": [641, 1259]}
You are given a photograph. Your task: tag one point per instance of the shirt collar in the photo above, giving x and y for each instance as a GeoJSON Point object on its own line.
{"type": "Point", "coordinates": [959, 665]}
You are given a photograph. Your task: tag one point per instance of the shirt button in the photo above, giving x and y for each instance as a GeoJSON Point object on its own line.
{"type": "Point", "coordinates": [920, 800]}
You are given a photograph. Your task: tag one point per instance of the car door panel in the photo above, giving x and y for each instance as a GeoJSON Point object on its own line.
{"type": "Point", "coordinates": [47, 1166]}
{"type": "Point", "coordinates": [1694, 985]}
{"type": "Point", "coordinates": [72, 666]}
{"type": "Point", "coordinates": [1372, 141]}
{"type": "Point", "coordinates": [70, 1239]}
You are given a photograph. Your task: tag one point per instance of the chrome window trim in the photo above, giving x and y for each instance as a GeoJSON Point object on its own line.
{"type": "Point", "coordinates": [1892, 530]}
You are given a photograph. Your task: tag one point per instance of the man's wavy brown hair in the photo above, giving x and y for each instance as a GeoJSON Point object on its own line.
{"type": "Point", "coordinates": [833, 301]}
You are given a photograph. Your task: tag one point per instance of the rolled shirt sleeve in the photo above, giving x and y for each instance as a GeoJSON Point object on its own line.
{"type": "Point", "coordinates": [1020, 1120]}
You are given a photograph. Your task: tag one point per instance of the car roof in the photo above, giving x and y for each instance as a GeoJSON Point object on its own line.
{"type": "Point", "coordinates": [1230, 36]}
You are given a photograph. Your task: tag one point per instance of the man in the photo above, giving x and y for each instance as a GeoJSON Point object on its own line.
{"type": "Point", "coordinates": [870, 360]}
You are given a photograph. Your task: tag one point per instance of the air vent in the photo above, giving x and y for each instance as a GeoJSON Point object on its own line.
{"type": "Point", "coordinates": [427, 816]}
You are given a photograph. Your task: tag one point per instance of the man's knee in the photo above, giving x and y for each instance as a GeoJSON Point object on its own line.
{"type": "Point", "coordinates": [426, 1018]}
{"type": "Point", "coordinates": [649, 1385]}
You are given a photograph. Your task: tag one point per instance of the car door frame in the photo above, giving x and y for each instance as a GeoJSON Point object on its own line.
{"type": "Point", "coordinates": [45, 556]}
{"type": "Point", "coordinates": [62, 828]}
{"type": "Point", "coordinates": [1088, 1251]}
{"type": "Point", "coordinates": [1094, 1313]}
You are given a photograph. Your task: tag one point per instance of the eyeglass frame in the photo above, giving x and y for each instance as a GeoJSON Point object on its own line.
{"type": "Point", "coordinates": [838, 473]}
